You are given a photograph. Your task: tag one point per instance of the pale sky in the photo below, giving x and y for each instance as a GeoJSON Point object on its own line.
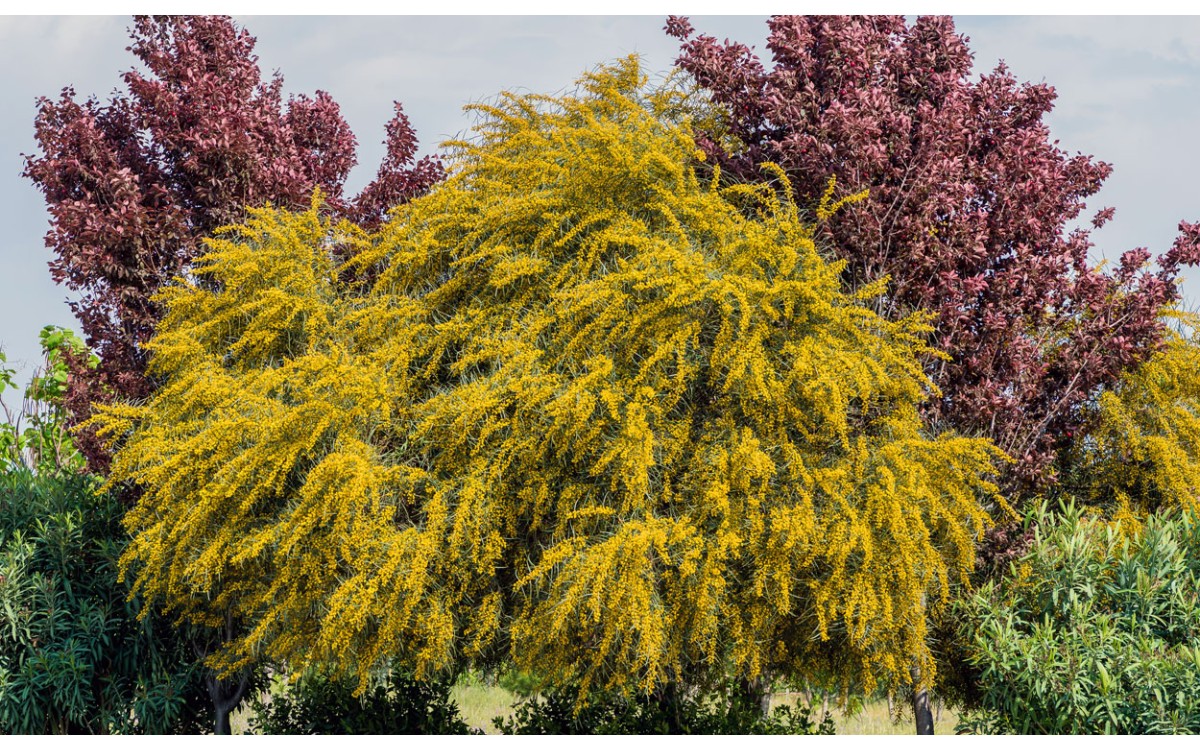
{"type": "Point", "coordinates": [1128, 93]}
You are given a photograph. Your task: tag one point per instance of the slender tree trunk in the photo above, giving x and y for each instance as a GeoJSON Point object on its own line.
{"type": "Point", "coordinates": [920, 701]}
{"type": "Point", "coordinates": [757, 691]}
{"type": "Point", "coordinates": [226, 695]}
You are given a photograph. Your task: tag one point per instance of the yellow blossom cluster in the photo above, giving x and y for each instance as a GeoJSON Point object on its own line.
{"type": "Point", "coordinates": [1144, 452]}
{"type": "Point", "coordinates": [575, 403]}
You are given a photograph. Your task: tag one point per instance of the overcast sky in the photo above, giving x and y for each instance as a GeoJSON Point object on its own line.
{"type": "Point", "coordinates": [1128, 93]}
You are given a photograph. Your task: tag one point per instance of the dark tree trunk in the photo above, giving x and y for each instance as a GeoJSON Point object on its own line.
{"type": "Point", "coordinates": [226, 695]}
{"type": "Point", "coordinates": [920, 701]}
{"type": "Point", "coordinates": [669, 699]}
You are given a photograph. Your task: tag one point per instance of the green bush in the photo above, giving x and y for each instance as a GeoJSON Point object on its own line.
{"type": "Point", "coordinates": [555, 712]}
{"type": "Point", "coordinates": [74, 656]}
{"type": "Point", "coordinates": [321, 704]}
{"type": "Point", "coordinates": [1096, 630]}
{"type": "Point", "coordinates": [518, 682]}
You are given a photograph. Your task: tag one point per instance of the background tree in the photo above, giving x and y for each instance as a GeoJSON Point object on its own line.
{"type": "Point", "coordinates": [967, 214]}
{"type": "Point", "coordinates": [587, 399]}
{"type": "Point", "coordinates": [35, 434]}
{"type": "Point", "coordinates": [132, 185]}
{"type": "Point", "coordinates": [1142, 453]}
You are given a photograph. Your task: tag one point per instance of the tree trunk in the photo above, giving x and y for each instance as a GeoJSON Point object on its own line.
{"type": "Point", "coordinates": [757, 691]}
{"type": "Point", "coordinates": [669, 699]}
{"type": "Point", "coordinates": [920, 701]}
{"type": "Point", "coordinates": [226, 695]}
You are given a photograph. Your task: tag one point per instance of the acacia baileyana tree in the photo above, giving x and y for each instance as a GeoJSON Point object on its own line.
{"type": "Point", "coordinates": [1143, 453]}
{"type": "Point", "coordinates": [590, 408]}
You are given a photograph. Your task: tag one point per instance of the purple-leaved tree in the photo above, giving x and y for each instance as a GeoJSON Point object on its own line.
{"type": "Point", "coordinates": [967, 216]}
{"type": "Point", "coordinates": [132, 185]}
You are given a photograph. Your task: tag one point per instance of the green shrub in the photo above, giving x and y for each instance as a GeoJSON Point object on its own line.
{"type": "Point", "coordinates": [321, 704]}
{"type": "Point", "coordinates": [518, 682]}
{"type": "Point", "coordinates": [1096, 630]}
{"type": "Point", "coordinates": [555, 712]}
{"type": "Point", "coordinates": [73, 655]}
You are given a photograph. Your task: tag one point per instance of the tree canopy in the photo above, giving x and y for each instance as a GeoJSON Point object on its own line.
{"type": "Point", "coordinates": [622, 420]}
{"type": "Point", "coordinates": [1143, 452]}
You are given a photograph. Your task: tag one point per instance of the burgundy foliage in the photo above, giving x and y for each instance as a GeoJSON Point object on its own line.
{"type": "Point", "coordinates": [967, 215]}
{"type": "Point", "coordinates": [133, 184]}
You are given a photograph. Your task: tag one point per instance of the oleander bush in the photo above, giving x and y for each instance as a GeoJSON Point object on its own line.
{"type": "Point", "coordinates": [1096, 630]}
{"type": "Point", "coordinates": [74, 657]}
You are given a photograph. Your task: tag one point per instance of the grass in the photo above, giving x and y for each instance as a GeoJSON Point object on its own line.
{"type": "Point", "coordinates": [479, 703]}
{"type": "Point", "coordinates": [873, 718]}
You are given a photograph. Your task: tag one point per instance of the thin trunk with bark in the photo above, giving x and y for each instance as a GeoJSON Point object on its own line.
{"type": "Point", "coordinates": [226, 695]}
{"type": "Point", "coordinates": [757, 691]}
{"type": "Point", "coordinates": [920, 701]}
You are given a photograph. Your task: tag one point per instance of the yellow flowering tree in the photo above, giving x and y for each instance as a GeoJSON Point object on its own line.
{"type": "Point", "coordinates": [574, 403]}
{"type": "Point", "coordinates": [1144, 451]}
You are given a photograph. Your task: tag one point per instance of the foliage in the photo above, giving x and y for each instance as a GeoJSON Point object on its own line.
{"type": "Point", "coordinates": [1096, 630]}
{"type": "Point", "coordinates": [624, 422]}
{"type": "Point", "coordinates": [1144, 452]}
{"type": "Point", "coordinates": [518, 682]}
{"type": "Point", "coordinates": [967, 215]}
{"type": "Point", "coordinates": [132, 185]}
{"type": "Point", "coordinates": [35, 435]}
{"type": "Point", "coordinates": [557, 712]}
{"type": "Point", "coordinates": [73, 655]}
{"type": "Point", "coordinates": [323, 704]}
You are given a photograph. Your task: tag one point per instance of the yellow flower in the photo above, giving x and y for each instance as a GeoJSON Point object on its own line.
{"type": "Point", "coordinates": [625, 420]}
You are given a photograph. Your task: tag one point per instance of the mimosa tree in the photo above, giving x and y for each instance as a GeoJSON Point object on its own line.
{"type": "Point", "coordinates": [621, 421]}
